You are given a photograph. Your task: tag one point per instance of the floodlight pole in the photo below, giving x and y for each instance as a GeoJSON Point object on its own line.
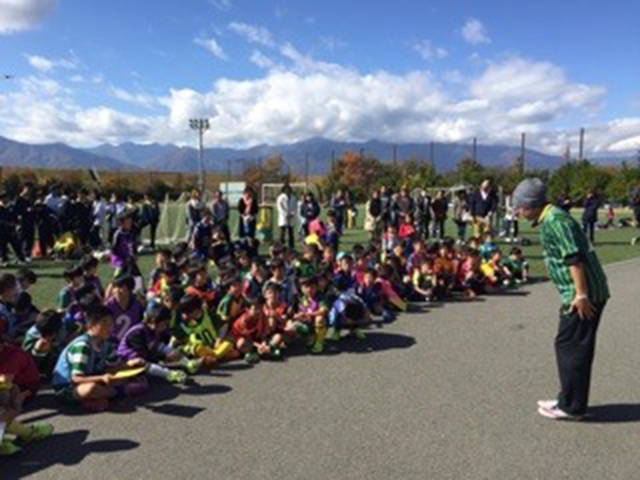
{"type": "Point", "coordinates": [200, 125]}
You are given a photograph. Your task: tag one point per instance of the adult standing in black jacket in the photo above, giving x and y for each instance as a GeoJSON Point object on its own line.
{"type": "Point", "coordinates": [309, 211]}
{"type": "Point", "coordinates": [483, 204]}
{"type": "Point", "coordinates": [150, 217]}
{"type": "Point", "coordinates": [26, 219]}
{"type": "Point", "coordinates": [590, 215]}
{"type": "Point", "coordinates": [8, 230]}
{"type": "Point", "coordinates": [385, 206]}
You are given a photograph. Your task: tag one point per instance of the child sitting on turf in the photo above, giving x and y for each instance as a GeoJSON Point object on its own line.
{"type": "Point", "coordinates": [487, 247]}
{"type": "Point", "coordinates": [8, 297]}
{"type": "Point", "coordinates": [10, 408]}
{"type": "Point", "coordinates": [311, 315]}
{"type": "Point", "coordinates": [407, 229]}
{"type": "Point", "coordinates": [348, 311]}
{"type": "Point", "coordinates": [85, 369]}
{"type": "Point", "coordinates": [252, 334]}
{"type": "Point", "coordinates": [232, 304]}
{"type": "Point", "coordinates": [276, 312]}
{"type": "Point", "coordinates": [256, 280]}
{"type": "Point", "coordinates": [123, 250]}
{"type": "Point", "coordinates": [74, 317]}
{"type": "Point", "coordinates": [197, 334]}
{"type": "Point", "coordinates": [124, 306]}
{"type": "Point", "coordinates": [424, 281]}
{"type": "Point", "coordinates": [470, 275]}
{"type": "Point", "coordinates": [345, 276]}
{"type": "Point", "coordinates": [25, 310]}
{"type": "Point", "coordinates": [495, 272]}
{"type": "Point", "coordinates": [202, 237]}
{"type": "Point", "coordinates": [287, 289]}
{"type": "Point", "coordinates": [45, 340]}
{"type": "Point", "coordinates": [389, 240]}
{"type": "Point", "coordinates": [145, 341]}
{"type": "Point", "coordinates": [517, 265]}
{"type": "Point", "coordinates": [89, 267]}
{"type": "Point", "coordinates": [163, 257]}
{"type": "Point", "coordinates": [74, 277]}
{"type": "Point", "coordinates": [200, 285]}
{"type": "Point", "coordinates": [370, 291]}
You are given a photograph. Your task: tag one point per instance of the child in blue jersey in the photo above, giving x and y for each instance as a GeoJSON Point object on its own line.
{"type": "Point", "coordinates": [45, 340]}
{"type": "Point", "coordinates": [85, 369]}
{"type": "Point", "coordinates": [89, 266]}
{"type": "Point", "coordinates": [348, 311]}
{"type": "Point", "coordinates": [75, 278]}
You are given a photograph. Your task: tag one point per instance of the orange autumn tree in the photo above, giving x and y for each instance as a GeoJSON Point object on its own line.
{"type": "Point", "coordinates": [357, 172]}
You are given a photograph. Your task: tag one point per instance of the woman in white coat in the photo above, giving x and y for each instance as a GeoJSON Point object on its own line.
{"type": "Point", "coordinates": [287, 208]}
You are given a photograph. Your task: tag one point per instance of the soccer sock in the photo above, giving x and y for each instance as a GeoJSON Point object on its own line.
{"type": "Point", "coordinates": [18, 429]}
{"type": "Point", "coordinates": [321, 332]}
{"type": "Point", "coordinates": [156, 370]}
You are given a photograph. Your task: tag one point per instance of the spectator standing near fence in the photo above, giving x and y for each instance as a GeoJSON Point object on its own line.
{"type": "Point", "coordinates": [590, 215]}
{"type": "Point", "coordinates": [26, 219]}
{"type": "Point", "coordinates": [575, 270]}
{"type": "Point", "coordinates": [439, 208]}
{"type": "Point", "coordinates": [461, 214]}
{"type": "Point", "coordinates": [483, 204]}
{"type": "Point", "coordinates": [287, 206]}
{"type": "Point", "coordinates": [220, 211]}
{"type": "Point", "coordinates": [309, 211]}
{"type": "Point", "coordinates": [339, 206]}
{"type": "Point", "coordinates": [194, 211]}
{"type": "Point", "coordinates": [99, 219]}
{"type": "Point", "coordinates": [634, 202]}
{"type": "Point", "coordinates": [248, 210]}
{"type": "Point", "coordinates": [373, 216]}
{"type": "Point", "coordinates": [150, 217]}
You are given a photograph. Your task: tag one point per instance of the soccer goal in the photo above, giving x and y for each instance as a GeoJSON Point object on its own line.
{"type": "Point", "coordinates": [270, 191]}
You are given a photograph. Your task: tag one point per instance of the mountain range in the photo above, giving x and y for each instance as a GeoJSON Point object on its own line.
{"type": "Point", "coordinates": [319, 151]}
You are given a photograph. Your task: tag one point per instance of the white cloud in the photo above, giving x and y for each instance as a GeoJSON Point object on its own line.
{"type": "Point", "coordinates": [332, 44]}
{"type": "Point", "coordinates": [19, 15]}
{"type": "Point", "coordinates": [309, 98]}
{"type": "Point", "coordinates": [428, 51]}
{"type": "Point", "coordinates": [261, 60]}
{"type": "Point", "coordinates": [138, 99]}
{"type": "Point", "coordinates": [212, 46]}
{"type": "Point", "coordinates": [222, 5]}
{"type": "Point", "coordinates": [252, 33]}
{"type": "Point", "coordinates": [44, 64]}
{"type": "Point", "coordinates": [474, 32]}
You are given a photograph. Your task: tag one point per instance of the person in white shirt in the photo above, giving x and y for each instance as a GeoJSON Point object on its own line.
{"type": "Point", "coordinates": [287, 206]}
{"type": "Point", "coordinates": [99, 217]}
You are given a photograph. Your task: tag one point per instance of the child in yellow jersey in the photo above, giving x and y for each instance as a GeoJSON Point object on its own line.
{"type": "Point", "coordinates": [197, 334]}
{"type": "Point", "coordinates": [311, 315]}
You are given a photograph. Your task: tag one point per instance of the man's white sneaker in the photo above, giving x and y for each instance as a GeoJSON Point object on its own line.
{"type": "Point", "coordinates": [556, 414]}
{"type": "Point", "coordinates": [548, 404]}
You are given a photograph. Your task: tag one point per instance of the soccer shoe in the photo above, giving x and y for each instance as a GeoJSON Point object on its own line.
{"type": "Point", "coordinates": [38, 431]}
{"type": "Point", "coordinates": [8, 448]}
{"type": "Point", "coordinates": [177, 376]}
{"type": "Point", "coordinates": [388, 316]}
{"type": "Point", "coordinates": [555, 413]}
{"type": "Point", "coordinates": [318, 347]}
{"type": "Point", "coordinates": [359, 334]}
{"type": "Point", "coordinates": [333, 334]}
{"type": "Point", "coordinates": [275, 354]}
{"type": "Point", "coordinates": [548, 404]}
{"type": "Point", "coordinates": [251, 358]}
{"type": "Point", "coordinates": [192, 366]}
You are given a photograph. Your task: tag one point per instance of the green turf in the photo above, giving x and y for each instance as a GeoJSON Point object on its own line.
{"type": "Point", "coordinates": [611, 245]}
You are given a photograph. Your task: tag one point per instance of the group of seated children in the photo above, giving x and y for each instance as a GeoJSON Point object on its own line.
{"type": "Point", "coordinates": [103, 344]}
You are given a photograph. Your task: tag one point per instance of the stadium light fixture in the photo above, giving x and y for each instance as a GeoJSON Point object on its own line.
{"type": "Point", "coordinates": [200, 125]}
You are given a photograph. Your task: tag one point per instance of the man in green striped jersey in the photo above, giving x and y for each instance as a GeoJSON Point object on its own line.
{"type": "Point", "coordinates": [576, 272]}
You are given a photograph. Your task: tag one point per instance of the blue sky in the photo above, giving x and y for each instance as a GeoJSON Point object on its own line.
{"type": "Point", "coordinates": [90, 72]}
